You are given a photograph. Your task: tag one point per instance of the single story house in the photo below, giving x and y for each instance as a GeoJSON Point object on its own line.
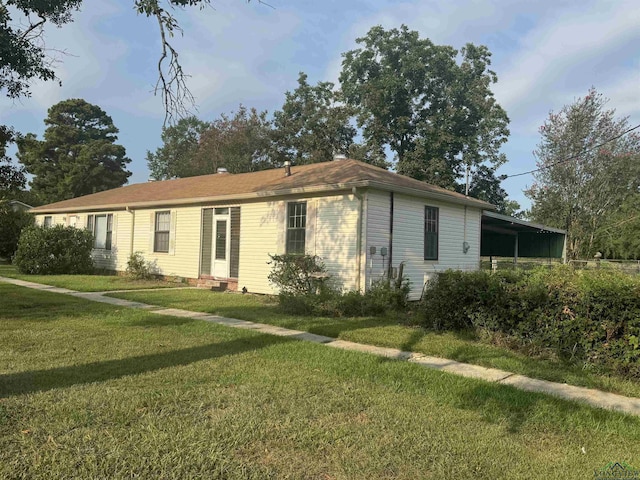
{"type": "Point", "coordinates": [363, 221]}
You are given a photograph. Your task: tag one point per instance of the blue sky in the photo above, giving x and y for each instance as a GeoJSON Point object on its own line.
{"type": "Point", "coordinates": [546, 54]}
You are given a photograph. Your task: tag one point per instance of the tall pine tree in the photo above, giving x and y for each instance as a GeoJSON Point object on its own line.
{"type": "Point", "coordinates": [78, 155]}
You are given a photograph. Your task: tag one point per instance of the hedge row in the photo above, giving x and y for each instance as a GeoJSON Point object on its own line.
{"type": "Point", "coordinates": [380, 298]}
{"type": "Point", "coordinates": [587, 316]}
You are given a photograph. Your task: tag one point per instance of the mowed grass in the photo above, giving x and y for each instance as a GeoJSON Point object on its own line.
{"type": "Point", "coordinates": [390, 331]}
{"type": "Point", "coordinates": [94, 391]}
{"type": "Point", "coordinates": [86, 283]}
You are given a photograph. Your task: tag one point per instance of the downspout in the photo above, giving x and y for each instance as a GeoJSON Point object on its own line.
{"type": "Point", "coordinates": [389, 265]}
{"type": "Point", "coordinates": [354, 190]}
{"type": "Point", "coordinates": [133, 224]}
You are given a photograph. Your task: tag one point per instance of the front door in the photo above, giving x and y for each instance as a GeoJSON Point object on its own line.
{"type": "Point", "coordinates": [221, 240]}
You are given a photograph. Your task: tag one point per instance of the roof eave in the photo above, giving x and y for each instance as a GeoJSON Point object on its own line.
{"type": "Point", "coordinates": [445, 197]}
{"type": "Point", "coordinates": [524, 223]}
{"type": "Point", "coordinates": [209, 199]}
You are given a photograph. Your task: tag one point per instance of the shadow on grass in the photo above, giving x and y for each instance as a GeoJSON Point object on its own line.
{"type": "Point", "coordinates": [416, 336]}
{"type": "Point", "coordinates": [62, 377]}
{"type": "Point", "coordinates": [157, 321]}
{"type": "Point", "coordinates": [271, 315]}
{"type": "Point", "coordinates": [516, 408]}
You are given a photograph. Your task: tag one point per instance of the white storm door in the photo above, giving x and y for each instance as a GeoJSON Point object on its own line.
{"type": "Point", "coordinates": [221, 243]}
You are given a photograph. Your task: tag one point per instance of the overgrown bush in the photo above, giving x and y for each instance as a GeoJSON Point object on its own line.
{"type": "Point", "coordinates": [379, 299]}
{"type": "Point", "coordinates": [54, 250]}
{"type": "Point", "coordinates": [297, 274]}
{"type": "Point", "coordinates": [138, 268]}
{"type": "Point", "coordinates": [587, 316]}
{"type": "Point", "coordinates": [11, 224]}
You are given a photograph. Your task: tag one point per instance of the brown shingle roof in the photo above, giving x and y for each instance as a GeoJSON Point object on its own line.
{"type": "Point", "coordinates": [317, 177]}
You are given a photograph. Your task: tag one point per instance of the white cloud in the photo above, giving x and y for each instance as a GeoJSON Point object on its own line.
{"type": "Point", "coordinates": [562, 57]}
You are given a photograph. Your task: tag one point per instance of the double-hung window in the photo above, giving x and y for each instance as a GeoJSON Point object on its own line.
{"type": "Point", "coordinates": [296, 227]}
{"type": "Point", "coordinates": [431, 227]}
{"type": "Point", "coordinates": [102, 228]}
{"type": "Point", "coordinates": [161, 231]}
{"type": "Point", "coordinates": [48, 221]}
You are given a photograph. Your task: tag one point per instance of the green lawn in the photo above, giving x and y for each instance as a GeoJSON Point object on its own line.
{"type": "Point", "coordinates": [89, 390]}
{"type": "Point", "coordinates": [388, 332]}
{"type": "Point", "coordinates": [86, 283]}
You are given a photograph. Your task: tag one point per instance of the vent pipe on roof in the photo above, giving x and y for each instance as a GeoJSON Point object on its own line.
{"type": "Point", "coordinates": [222, 170]}
{"type": "Point", "coordinates": [287, 168]}
{"type": "Point", "coordinates": [339, 156]}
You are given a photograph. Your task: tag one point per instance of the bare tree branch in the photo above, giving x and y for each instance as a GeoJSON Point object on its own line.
{"type": "Point", "coordinates": [177, 99]}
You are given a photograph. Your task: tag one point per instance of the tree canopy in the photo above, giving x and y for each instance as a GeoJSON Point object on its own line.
{"type": "Point", "coordinates": [239, 142]}
{"type": "Point", "coordinates": [312, 126]}
{"type": "Point", "coordinates": [78, 155]}
{"type": "Point", "coordinates": [12, 178]}
{"type": "Point", "coordinates": [619, 237]}
{"type": "Point", "coordinates": [430, 104]}
{"type": "Point", "coordinates": [180, 143]}
{"type": "Point", "coordinates": [589, 168]}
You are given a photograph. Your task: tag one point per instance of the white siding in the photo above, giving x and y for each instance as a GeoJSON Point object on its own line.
{"type": "Point", "coordinates": [335, 232]}
{"type": "Point", "coordinates": [184, 257]}
{"type": "Point", "coordinates": [408, 237]}
{"type": "Point", "coordinates": [330, 234]}
{"type": "Point", "coordinates": [377, 206]}
{"type": "Point", "coordinates": [261, 234]}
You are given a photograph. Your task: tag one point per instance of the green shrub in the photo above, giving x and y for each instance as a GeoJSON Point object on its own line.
{"type": "Point", "coordinates": [138, 268]}
{"type": "Point", "coordinates": [302, 304]}
{"type": "Point", "coordinates": [11, 224]}
{"type": "Point", "coordinates": [297, 274]}
{"type": "Point", "coordinates": [54, 250]}
{"type": "Point", "coordinates": [379, 299]}
{"type": "Point", "coordinates": [587, 316]}
{"type": "Point", "coordinates": [452, 299]}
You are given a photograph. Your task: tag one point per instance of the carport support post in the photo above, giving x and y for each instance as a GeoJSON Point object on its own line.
{"type": "Point", "coordinates": [515, 250]}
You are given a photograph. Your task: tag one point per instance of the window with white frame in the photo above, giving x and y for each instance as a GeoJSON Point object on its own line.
{"type": "Point", "coordinates": [161, 231]}
{"type": "Point", "coordinates": [102, 228]}
{"type": "Point", "coordinates": [296, 227]}
{"type": "Point", "coordinates": [47, 222]}
{"type": "Point", "coordinates": [431, 228]}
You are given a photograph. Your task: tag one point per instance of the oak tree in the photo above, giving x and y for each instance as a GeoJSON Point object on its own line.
{"type": "Point", "coordinates": [180, 143]}
{"type": "Point", "coordinates": [312, 126]}
{"type": "Point", "coordinates": [239, 142]}
{"type": "Point", "coordinates": [430, 104]}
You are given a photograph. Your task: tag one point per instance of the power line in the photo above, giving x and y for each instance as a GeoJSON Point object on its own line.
{"type": "Point", "coordinates": [574, 157]}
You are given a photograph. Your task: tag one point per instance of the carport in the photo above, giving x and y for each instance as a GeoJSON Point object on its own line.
{"type": "Point", "coordinates": [504, 236]}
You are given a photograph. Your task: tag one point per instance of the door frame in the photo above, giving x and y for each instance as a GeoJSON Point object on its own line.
{"type": "Point", "coordinates": [220, 267]}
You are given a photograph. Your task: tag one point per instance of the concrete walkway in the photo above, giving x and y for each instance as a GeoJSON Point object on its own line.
{"type": "Point", "coordinates": [595, 398]}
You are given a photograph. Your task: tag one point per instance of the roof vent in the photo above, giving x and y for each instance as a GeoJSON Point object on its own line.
{"type": "Point", "coordinates": [222, 170]}
{"type": "Point", "coordinates": [339, 156]}
{"type": "Point", "coordinates": [287, 168]}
